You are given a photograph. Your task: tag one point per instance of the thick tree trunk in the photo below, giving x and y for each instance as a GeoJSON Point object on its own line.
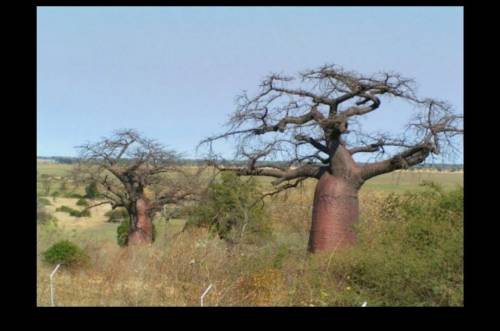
{"type": "Point", "coordinates": [335, 210]}
{"type": "Point", "coordinates": [141, 229]}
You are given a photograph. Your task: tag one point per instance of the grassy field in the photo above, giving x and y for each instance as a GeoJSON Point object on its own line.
{"type": "Point", "coordinates": [398, 181]}
{"type": "Point", "coordinates": [385, 270]}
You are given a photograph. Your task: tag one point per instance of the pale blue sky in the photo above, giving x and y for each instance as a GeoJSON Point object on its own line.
{"type": "Point", "coordinates": [173, 72]}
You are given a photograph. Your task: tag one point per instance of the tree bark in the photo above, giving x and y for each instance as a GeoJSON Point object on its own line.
{"type": "Point", "coordinates": [141, 229]}
{"type": "Point", "coordinates": [335, 210]}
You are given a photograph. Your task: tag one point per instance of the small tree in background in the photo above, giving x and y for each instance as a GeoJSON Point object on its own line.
{"type": "Point", "coordinates": [135, 173]}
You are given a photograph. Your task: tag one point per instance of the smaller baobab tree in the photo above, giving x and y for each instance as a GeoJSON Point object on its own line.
{"type": "Point", "coordinates": [310, 123]}
{"type": "Point", "coordinates": [135, 173]}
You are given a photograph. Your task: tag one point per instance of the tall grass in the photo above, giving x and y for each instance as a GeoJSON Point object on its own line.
{"type": "Point", "coordinates": [410, 253]}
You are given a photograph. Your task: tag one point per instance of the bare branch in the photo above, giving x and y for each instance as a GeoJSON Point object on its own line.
{"type": "Point", "coordinates": [325, 104]}
{"type": "Point", "coordinates": [313, 142]}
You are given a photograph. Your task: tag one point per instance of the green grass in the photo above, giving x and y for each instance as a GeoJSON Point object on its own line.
{"type": "Point", "coordinates": [411, 180]}
{"type": "Point", "coordinates": [53, 169]}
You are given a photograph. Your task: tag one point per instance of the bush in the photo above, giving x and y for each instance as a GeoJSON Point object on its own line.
{"type": "Point", "coordinates": [231, 209]}
{"type": "Point", "coordinates": [91, 191]}
{"type": "Point", "coordinates": [67, 253]}
{"type": "Point", "coordinates": [43, 201]}
{"type": "Point", "coordinates": [55, 194]}
{"type": "Point", "coordinates": [74, 212]}
{"type": "Point", "coordinates": [65, 209]}
{"type": "Point", "coordinates": [83, 213]}
{"type": "Point", "coordinates": [74, 195]}
{"type": "Point", "coordinates": [122, 232]}
{"type": "Point", "coordinates": [82, 202]}
{"type": "Point", "coordinates": [117, 215]}
{"type": "Point", "coordinates": [42, 215]}
{"type": "Point", "coordinates": [412, 257]}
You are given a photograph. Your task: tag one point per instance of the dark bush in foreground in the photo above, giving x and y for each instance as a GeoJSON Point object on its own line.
{"type": "Point", "coordinates": [67, 253]}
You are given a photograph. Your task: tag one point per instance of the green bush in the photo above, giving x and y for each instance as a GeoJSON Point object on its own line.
{"type": "Point", "coordinates": [67, 253]}
{"type": "Point", "coordinates": [117, 215]}
{"type": "Point", "coordinates": [91, 191]}
{"type": "Point", "coordinates": [42, 214]}
{"type": "Point", "coordinates": [413, 257]}
{"type": "Point", "coordinates": [231, 209]}
{"type": "Point", "coordinates": [74, 212]}
{"type": "Point", "coordinates": [122, 232]}
{"type": "Point", "coordinates": [55, 194]}
{"type": "Point", "coordinates": [82, 213]}
{"type": "Point", "coordinates": [74, 195]}
{"type": "Point", "coordinates": [43, 201]}
{"type": "Point", "coordinates": [65, 209]}
{"type": "Point", "coordinates": [82, 202]}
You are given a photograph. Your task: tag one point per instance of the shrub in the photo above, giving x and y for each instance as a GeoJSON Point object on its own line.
{"type": "Point", "coordinates": [55, 194]}
{"type": "Point", "coordinates": [231, 209]}
{"type": "Point", "coordinates": [65, 209]}
{"type": "Point", "coordinates": [91, 191]}
{"type": "Point", "coordinates": [82, 202]}
{"type": "Point", "coordinates": [415, 256]}
{"type": "Point", "coordinates": [83, 213]}
{"type": "Point", "coordinates": [74, 195]}
{"type": "Point", "coordinates": [74, 212]}
{"type": "Point", "coordinates": [67, 253]}
{"type": "Point", "coordinates": [43, 201]}
{"type": "Point", "coordinates": [117, 215]}
{"type": "Point", "coordinates": [122, 232]}
{"type": "Point", "coordinates": [42, 214]}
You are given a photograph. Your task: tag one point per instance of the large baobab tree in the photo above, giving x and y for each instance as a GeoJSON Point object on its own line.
{"type": "Point", "coordinates": [312, 122]}
{"type": "Point", "coordinates": [135, 173]}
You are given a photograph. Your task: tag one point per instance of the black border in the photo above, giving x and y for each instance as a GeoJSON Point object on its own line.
{"type": "Point", "coordinates": [137, 315]}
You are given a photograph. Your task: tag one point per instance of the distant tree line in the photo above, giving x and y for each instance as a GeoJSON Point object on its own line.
{"type": "Point", "coordinates": [198, 162]}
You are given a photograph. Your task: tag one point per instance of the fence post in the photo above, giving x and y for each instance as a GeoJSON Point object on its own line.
{"type": "Point", "coordinates": [205, 293]}
{"type": "Point", "coordinates": [52, 294]}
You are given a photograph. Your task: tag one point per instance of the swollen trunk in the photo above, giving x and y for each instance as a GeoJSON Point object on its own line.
{"type": "Point", "coordinates": [335, 210]}
{"type": "Point", "coordinates": [141, 230]}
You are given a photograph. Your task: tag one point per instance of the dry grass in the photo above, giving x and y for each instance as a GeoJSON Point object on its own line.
{"type": "Point", "coordinates": [178, 267]}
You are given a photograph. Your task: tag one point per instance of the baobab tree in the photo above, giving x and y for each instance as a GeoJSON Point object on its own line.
{"type": "Point", "coordinates": [135, 173]}
{"type": "Point", "coordinates": [311, 122]}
